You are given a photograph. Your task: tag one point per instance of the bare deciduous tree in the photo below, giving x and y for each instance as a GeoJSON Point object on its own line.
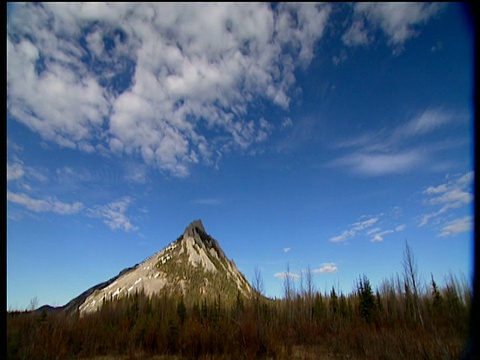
{"type": "Point", "coordinates": [33, 304]}
{"type": "Point", "coordinates": [257, 283]}
{"type": "Point", "coordinates": [310, 286]}
{"type": "Point", "coordinates": [411, 279]}
{"type": "Point", "coordinates": [288, 285]}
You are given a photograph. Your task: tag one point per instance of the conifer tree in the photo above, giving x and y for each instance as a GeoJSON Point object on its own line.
{"type": "Point", "coordinates": [366, 299]}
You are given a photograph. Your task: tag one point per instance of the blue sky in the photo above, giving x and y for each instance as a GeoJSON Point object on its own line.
{"type": "Point", "coordinates": [303, 135]}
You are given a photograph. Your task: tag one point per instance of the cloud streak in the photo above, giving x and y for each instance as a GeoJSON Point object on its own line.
{"type": "Point", "coordinates": [381, 164]}
{"type": "Point", "coordinates": [425, 122]}
{"type": "Point", "coordinates": [383, 153]}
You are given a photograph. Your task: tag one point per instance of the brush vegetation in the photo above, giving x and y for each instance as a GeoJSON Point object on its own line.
{"type": "Point", "coordinates": [399, 319]}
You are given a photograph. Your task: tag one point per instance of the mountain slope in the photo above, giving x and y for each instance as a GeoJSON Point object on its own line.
{"type": "Point", "coordinates": [194, 265]}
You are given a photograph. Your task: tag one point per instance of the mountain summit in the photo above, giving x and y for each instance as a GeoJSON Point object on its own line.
{"type": "Point", "coordinates": [194, 265]}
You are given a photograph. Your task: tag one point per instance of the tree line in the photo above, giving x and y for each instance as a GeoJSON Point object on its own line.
{"type": "Point", "coordinates": [401, 318]}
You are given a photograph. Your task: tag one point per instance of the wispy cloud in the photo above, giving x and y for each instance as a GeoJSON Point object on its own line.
{"type": "Point", "coordinates": [457, 226]}
{"type": "Point", "coordinates": [161, 79]}
{"type": "Point", "coordinates": [326, 268]}
{"type": "Point", "coordinates": [136, 173]}
{"type": "Point", "coordinates": [360, 225]}
{"type": "Point", "coordinates": [354, 228]}
{"type": "Point", "coordinates": [425, 122]}
{"type": "Point", "coordinates": [377, 234]}
{"type": "Point", "coordinates": [50, 204]}
{"type": "Point", "coordinates": [28, 178]}
{"type": "Point", "coordinates": [374, 230]}
{"type": "Point", "coordinates": [386, 151]}
{"type": "Point", "coordinates": [344, 235]}
{"type": "Point", "coordinates": [113, 214]}
{"type": "Point", "coordinates": [450, 195]}
{"type": "Point", "coordinates": [286, 250]}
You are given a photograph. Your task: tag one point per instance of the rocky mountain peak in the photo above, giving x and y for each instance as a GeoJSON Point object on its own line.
{"type": "Point", "coordinates": [195, 226]}
{"type": "Point", "coordinates": [196, 231]}
{"type": "Point", "coordinates": [194, 265]}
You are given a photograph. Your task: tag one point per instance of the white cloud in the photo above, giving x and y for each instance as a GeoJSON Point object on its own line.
{"type": "Point", "coordinates": [50, 204]}
{"type": "Point", "coordinates": [450, 195]}
{"type": "Point", "coordinates": [457, 226]}
{"type": "Point", "coordinates": [113, 214]}
{"type": "Point", "coordinates": [326, 268]}
{"type": "Point", "coordinates": [59, 103]}
{"type": "Point", "coordinates": [398, 21]}
{"type": "Point", "coordinates": [286, 250]}
{"type": "Point", "coordinates": [283, 275]}
{"type": "Point", "coordinates": [166, 72]}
